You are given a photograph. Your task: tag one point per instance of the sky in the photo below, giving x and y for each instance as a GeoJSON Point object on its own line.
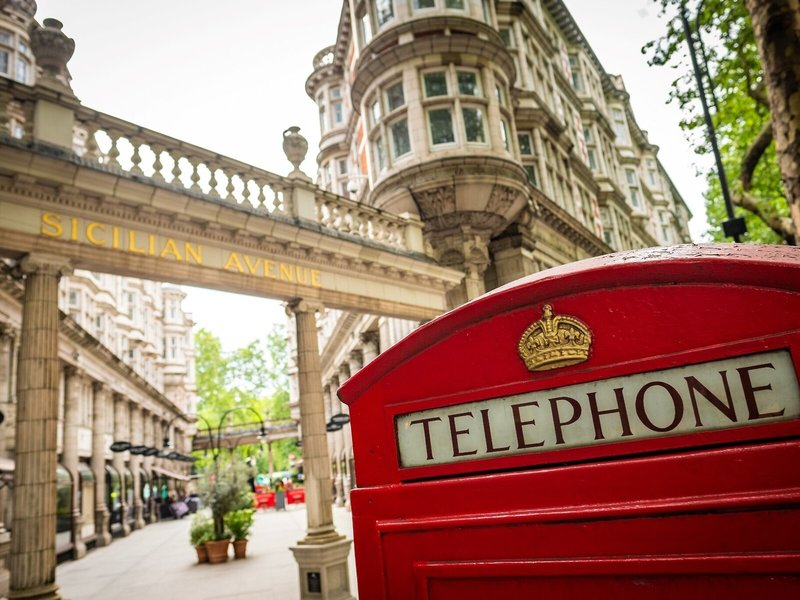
{"type": "Point", "coordinates": [230, 76]}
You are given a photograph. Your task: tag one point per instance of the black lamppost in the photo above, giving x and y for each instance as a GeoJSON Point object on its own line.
{"type": "Point", "coordinates": [735, 226]}
{"type": "Point", "coordinates": [216, 447]}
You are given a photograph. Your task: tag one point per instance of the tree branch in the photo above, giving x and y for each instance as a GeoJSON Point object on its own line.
{"type": "Point", "coordinates": [783, 226]}
{"type": "Point", "coordinates": [754, 154]}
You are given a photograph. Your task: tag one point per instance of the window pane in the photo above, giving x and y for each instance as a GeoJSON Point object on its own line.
{"type": "Point", "coordinates": [375, 111]}
{"type": "Point", "coordinates": [336, 92]}
{"type": "Point", "coordinates": [507, 36]}
{"type": "Point", "coordinates": [435, 84]}
{"type": "Point", "coordinates": [504, 133]}
{"type": "Point", "coordinates": [383, 11]}
{"type": "Point", "coordinates": [380, 158]}
{"type": "Point", "coordinates": [533, 176]}
{"type": "Point", "coordinates": [473, 124]}
{"type": "Point", "coordinates": [441, 124]}
{"type": "Point", "coordinates": [337, 112]}
{"type": "Point", "coordinates": [3, 62]}
{"type": "Point", "coordinates": [366, 29]}
{"type": "Point", "coordinates": [467, 83]}
{"type": "Point", "coordinates": [342, 166]}
{"type": "Point", "coordinates": [424, 3]}
{"type": "Point", "coordinates": [394, 96]}
{"type": "Point", "coordinates": [501, 97]}
{"type": "Point", "coordinates": [400, 142]}
{"type": "Point", "coordinates": [454, 4]}
{"type": "Point", "coordinates": [525, 143]}
{"type": "Point", "coordinates": [5, 37]}
{"type": "Point", "coordinates": [22, 70]}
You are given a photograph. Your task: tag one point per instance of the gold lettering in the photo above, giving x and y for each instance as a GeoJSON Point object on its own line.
{"type": "Point", "coordinates": [233, 259]}
{"type": "Point", "coordinates": [304, 278]}
{"type": "Point", "coordinates": [286, 272]}
{"type": "Point", "coordinates": [315, 282]}
{"type": "Point", "coordinates": [90, 233]}
{"type": "Point", "coordinates": [52, 220]}
{"type": "Point", "coordinates": [195, 253]}
{"type": "Point", "coordinates": [115, 237]}
{"type": "Point", "coordinates": [74, 229]}
{"type": "Point", "coordinates": [171, 248]}
{"type": "Point", "coordinates": [152, 244]}
{"type": "Point", "coordinates": [253, 268]}
{"type": "Point", "coordinates": [132, 243]}
{"type": "Point", "coordinates": [269, 269]}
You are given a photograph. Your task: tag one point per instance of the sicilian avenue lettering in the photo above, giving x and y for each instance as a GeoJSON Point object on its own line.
{"type": "Point", "coordinates": [732, 392]}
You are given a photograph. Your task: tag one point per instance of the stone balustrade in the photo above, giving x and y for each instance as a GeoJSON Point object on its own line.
{"type": "Point", "coordinates": [120, 147]}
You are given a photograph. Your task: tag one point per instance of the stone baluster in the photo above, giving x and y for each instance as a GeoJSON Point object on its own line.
{"type": "Point", "coordinates": [229, 189]}
{"type": "Point", "coordinates": [92, 149]}
{"type": "Point", "coordinates": [176, 169]}
{"type": "Point", "coordinates": [69, 452]}
{"type": "Point", "coordinates": [245, 189]}
{"type": "Point", "coordinates": [261, 198]}
{"type": "Point", "coordinates": [137, 439]}
{"type": "Point", "coordinates": [28, 108]}
{"type": "Point", "coordinates": [213, 182]}
{"type": "Point", "coordinates": [136, 158]}
{"type": "Point", "coordinates": [194, 163]}
{"type": "Point", "coordinates": [112, 156]}
{"type": "Point", "coordinates": [33, 550]}
{"type": "Point", "coordinates": [101, 406]}
{"type": "Point", "coordinates": [121, 434]}
{"type": "Point", "coordinates": [157, 149]}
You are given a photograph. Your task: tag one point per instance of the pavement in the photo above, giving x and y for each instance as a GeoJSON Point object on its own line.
{"type": "Point", "coordinates": [157, 562]}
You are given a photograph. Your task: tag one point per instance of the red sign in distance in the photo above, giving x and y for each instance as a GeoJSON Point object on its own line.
{"type": "Point", "coordinates": [657, 458]}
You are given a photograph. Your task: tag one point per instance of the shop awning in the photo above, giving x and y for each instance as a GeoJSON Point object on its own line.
{"type": "Point", "coordinates": [172, 474]}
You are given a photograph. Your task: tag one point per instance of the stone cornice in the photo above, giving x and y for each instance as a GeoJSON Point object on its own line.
{"type": "Point", "coordinates": [561, 221]}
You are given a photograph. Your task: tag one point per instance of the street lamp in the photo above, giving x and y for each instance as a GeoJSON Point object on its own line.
{"type": "Point", "coordinates": [215, 448]}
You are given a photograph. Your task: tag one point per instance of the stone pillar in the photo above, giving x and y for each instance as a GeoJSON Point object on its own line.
{"type": "Point", "coordinates": [369, 347]}
{"type": "Point", "coordinates": [102, 399]}
{"type": "Point", "coordinates": [33, 545]}
{"type": "Point", "coordinates": [165, 462]}
{"type": "Point", "coordinates": [137, 439]}
{"type": "Point", "coordinates": [342, 489]}
{"type": "Point", "coordinates": [121, 434]}
{"type": "Point", "coordinates": [354, 362]}
{"type": "Point", "coordinates": [149, 441]}
{"type": "Point", "coordinates": [322, 554]}
{"type": "Point", "coordinates": [69, 452]}
{"type": "Point", "coordinates": [7, 343]}
{"type": "Point", "coordinates": [334, 441]}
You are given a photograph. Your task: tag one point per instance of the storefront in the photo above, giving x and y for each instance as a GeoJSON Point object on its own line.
{"type": "Point", "coordinates": [86, 500]}
{"type": "Point", "coordinates": [145, 493]}
{"type": "Point", "coordinates": [63, 510]}
{"type": "Point", "coordinates": [114, 500]}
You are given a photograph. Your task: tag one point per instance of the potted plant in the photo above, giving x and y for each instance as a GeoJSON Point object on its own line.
{"type": "Point", "coordinates": [201, 531]}
{"type": "Point", "coordinates": [223, 490]}
{"type": "Point", "coordinates": [239, 523]}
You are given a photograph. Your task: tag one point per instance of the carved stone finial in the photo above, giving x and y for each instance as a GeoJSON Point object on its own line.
{"type": "Point", "coordinates": [52, 49]}
{"type": "Point", "coordinates": [295, 146]}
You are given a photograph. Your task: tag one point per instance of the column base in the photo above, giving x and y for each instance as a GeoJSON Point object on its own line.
{"type": "Point", "coordinates": [126, 526]}
{"type": "Point", "coordinates": [78, 546]}
{"type": "Point", "coordinates": [43, 592]}
{"type": "Point", "coordinates": [101, 524]}
{"type": "Point", "coordinates": [138, 514]}
{"type": "Point", "coordinates": [323, 569]}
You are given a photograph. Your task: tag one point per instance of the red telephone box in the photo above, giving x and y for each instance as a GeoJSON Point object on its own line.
{"type": "Point", "coordinates": [625, 427]}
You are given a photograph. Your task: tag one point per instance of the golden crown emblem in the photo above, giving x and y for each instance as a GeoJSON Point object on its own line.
{"type": "Point", "coordinates": [554, 341]}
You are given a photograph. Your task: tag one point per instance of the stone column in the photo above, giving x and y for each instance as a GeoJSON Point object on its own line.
{"type": "Point", "coordinates": [149, 441]}
{"type": "Point", "coordinates": [33, 545]}
{"type": "Point", "coordinates": [102, 398]}
{"type": "Point", "coordinates": [322, 554]}
{"type": "Point", "coordinates": [167, 464]}
{"type": "Point", "coordinates": [121, 434]}
{"type": "Point", "coordinates": [69, 452]}
{"type": "Point", "coordinates": [354, 362]}
{"type": "Point", "coordinates": [369, 347]}
{"type": "Point", "coordinates": [137, 439]}
{"type": "Point", "coordinates": [342, 489]}
{"type": "Point", "coordinates": [334, 441]}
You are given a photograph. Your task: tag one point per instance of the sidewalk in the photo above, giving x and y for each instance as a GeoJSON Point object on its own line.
{"type": "Point", "coordinates": [158, 562]}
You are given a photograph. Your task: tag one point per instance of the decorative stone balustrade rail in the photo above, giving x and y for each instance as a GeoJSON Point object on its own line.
{"type": "Point", "coordinates": [121, 147]}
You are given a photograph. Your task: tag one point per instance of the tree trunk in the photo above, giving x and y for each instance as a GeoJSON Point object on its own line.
{"type": "Point", "coordinates": [776, 24]}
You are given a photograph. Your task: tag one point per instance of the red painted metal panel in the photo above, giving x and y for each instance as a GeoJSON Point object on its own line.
{"type": "Point", "coordinates": [696, 514]}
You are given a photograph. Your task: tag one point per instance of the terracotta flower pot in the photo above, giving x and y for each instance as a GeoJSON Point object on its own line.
{"type": "Point", "coordinates": [217, 551]}
{"type": "Point", "coordinates": [239, 548]}
{"type": "Point", "coordinates": [202, 553]}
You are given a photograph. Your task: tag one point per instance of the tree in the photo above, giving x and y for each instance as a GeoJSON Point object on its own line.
{"type": "Point", "coordinates": [741, 114]}
{"type": "Point", "coordinates": [254, 376]}
{"type": "Point", "coordinates": [776, 24]}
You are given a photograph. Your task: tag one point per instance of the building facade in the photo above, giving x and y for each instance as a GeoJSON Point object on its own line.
{"type": "Point", "coordinates": [495, 124]}
{"type": "Point", "coordinates": [126, 375]}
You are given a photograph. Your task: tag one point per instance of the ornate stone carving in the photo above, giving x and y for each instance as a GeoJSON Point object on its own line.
{"type": "Point", "coordinates": [52, 49]}
{"type": "Point", "coordinates": [435, 203]}
{"type": "Point", "coordinates": [295, 146]}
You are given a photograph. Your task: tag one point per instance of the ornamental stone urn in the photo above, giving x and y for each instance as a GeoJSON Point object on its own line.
{"type": "Point", "coordinates": [295, 146]}
{"type": "Point", "coordinates": [52, 50]}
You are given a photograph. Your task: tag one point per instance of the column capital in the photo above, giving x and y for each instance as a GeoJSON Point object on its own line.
{"type": "Point", "coordinates": [74, 371]}
{"type": "Point", "coordinates": [370, 337]}
{"type": "Point", "coordinates": [45, 264]}
{"type": "Point", "coordinates": [300, 305]}
{"type": "Point", "coordinates": [101, 387]}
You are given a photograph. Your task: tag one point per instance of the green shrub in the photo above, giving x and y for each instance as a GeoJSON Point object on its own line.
{"type": "Point", "coordinates": [202, 530]}
{"type": "Point", "coordinates": [239, 522]}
